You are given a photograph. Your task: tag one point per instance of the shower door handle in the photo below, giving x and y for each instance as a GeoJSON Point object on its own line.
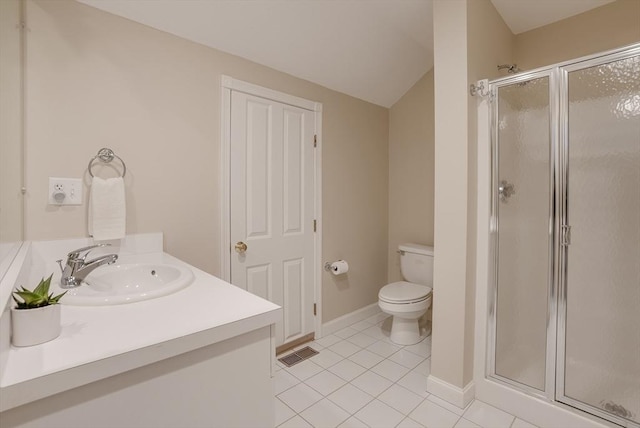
{"type": "Point", "coordinates": [565, 235]}
{"type": "Point", "coordinates": [505, 190]}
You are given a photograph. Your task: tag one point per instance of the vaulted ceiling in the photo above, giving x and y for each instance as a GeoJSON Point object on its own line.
{"type": "Point", "coordinates": [374, 50]}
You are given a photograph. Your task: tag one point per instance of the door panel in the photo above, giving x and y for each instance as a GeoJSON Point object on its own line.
{"type": "Point", "coordinates": [272, 206]}
{"type": "Point", "coordinates": [258, 168]}
{"type": "Point", "coordinates": [293, 172]}
{"type": "Point", "coordinates": [521, 208]}
{"type": "Point", "coordinates": [602, 343]}
{"type": "Point", "coordinates": [259, 281]}
{"type": "Point", "coordinates": [293, 297]}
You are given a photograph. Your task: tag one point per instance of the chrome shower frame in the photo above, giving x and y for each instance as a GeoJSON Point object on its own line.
{"type": "Point", "coordinates": [554, 388]}
{"type": "Point", "coordinates": [494, 87]}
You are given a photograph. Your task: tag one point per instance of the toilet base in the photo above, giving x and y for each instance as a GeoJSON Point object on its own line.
{"type": "Point", "coordinates": [405, 326]}
{"type": "Point", "coordinates": [406, 331]}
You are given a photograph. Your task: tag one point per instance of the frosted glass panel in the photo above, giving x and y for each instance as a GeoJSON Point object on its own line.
{"type": "Point", "coordinates": [522, 195]}
{"type": "Point", "coordinates": [602, 364]}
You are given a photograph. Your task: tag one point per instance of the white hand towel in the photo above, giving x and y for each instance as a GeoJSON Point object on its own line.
{"type": "Point", "coordinates": [107, 209]}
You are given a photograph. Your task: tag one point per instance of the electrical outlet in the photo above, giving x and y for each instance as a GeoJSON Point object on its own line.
{"type": "Point", "coordinates": [65, 191]}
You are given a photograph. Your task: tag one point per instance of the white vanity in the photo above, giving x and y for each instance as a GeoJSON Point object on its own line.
{"type": "Point", "coordinates": [201, 356]}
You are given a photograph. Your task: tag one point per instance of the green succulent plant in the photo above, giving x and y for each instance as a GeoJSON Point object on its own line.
{"type": "Point", "coordinates": [37, 298]}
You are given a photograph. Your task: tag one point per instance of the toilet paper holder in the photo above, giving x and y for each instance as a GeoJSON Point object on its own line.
{"type": "Point", "coordinates": [338, 267]}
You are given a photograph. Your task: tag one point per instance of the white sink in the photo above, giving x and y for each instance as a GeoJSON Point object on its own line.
{"type": "Point", "coordinates": [128, 283]}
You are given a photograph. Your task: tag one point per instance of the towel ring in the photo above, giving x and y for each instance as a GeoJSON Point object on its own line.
{"type": "Point", "coordinates": [106, 155]}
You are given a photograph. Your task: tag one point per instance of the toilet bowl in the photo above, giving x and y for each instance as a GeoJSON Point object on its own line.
{"type": "Point", "coordinates": [407, 301]}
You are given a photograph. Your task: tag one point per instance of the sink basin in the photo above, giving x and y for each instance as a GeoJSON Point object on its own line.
{"type": "Point", "coordinates": [128, 283]}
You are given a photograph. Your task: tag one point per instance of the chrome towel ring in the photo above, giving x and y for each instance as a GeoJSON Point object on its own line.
{"type": "Point", "coordinates": [106, 155]}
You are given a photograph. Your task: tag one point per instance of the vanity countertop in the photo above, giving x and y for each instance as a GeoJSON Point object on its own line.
{"type": "Point", "coordinates": [100, 341]}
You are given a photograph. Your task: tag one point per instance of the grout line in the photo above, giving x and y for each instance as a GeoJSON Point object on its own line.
{"type": "Point", "coordinates": [295, 413]}
{"type": "Point", "coordinates": [512, 422]}
{"type": "Point", "coordinates": [360, 420]}
{"type": "Point", "coordinates": [457, 420]}
{"type": "Point", "coordinates": [302, 417]}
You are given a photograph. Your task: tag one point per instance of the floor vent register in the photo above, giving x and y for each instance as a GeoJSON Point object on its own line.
{"type": "Point", "coordinates": [298, 356]}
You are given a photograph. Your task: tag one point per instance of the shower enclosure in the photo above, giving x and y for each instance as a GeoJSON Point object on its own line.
{"type": "Point", "coordinates": [564, 310]}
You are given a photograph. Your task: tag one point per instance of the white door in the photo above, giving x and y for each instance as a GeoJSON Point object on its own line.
{"type": "Point", "coordinates": [271, 207]}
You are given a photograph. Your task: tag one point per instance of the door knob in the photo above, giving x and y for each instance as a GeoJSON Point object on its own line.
{"type": "Point", "coordinates": [241, 247]}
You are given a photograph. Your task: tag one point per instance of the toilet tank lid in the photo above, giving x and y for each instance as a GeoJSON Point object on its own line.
{"type": "Point", "coordinates": [416, 249]}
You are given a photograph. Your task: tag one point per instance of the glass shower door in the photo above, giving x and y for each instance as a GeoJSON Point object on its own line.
{"type": "Point", "coordinates": [599, 316]}
{"type": "Point", "coordinates": [521, 244]}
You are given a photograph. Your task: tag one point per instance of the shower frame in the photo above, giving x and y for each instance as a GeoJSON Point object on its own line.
{"type": "Point", "coordinates": [551, 74]}
{"type": "Point", "coordinates": [554, 392]}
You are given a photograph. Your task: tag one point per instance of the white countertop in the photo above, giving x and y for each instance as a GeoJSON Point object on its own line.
{"type": "Point", "coordinates": [101, 341]}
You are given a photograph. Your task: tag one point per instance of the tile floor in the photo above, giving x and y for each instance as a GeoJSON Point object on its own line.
{"type": "Point", "coordinates": [361, 379]}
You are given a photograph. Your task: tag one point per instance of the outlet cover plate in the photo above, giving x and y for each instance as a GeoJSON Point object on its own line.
{"type": "Point", "coordinates": [71, 188]}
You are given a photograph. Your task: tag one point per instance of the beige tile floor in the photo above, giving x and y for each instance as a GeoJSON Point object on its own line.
{"type": "Point", "coordinates": [361, 379]}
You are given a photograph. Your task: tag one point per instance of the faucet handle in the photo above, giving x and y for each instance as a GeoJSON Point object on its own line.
{"type": "Point", "coordinates": [75, 254]}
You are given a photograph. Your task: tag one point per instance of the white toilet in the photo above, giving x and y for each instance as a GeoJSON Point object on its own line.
{"type": "Point", "coordinates": [408, 300]}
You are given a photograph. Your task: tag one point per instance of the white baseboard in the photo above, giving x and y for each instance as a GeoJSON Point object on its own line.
{"type": "Point", "coordinates": [350, 318]}
{"type": "Point", "coordinates": [459, 397]}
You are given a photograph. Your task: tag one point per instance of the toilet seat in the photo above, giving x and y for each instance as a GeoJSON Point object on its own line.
{"type": "Point", "coordinates": [403, 292]}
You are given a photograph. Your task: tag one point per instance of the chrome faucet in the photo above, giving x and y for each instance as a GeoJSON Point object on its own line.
{"type": "Point", "coordinates": [76, 269]}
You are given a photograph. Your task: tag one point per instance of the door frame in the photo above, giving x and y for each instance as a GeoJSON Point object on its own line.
{"type": "Point", "coordinates": [228, 84]}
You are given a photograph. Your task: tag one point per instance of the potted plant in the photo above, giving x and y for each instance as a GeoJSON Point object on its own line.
{"type": "Point", "coordinates": [36, 318]}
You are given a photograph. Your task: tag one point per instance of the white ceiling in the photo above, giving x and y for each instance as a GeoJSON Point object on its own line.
{"type": "Point", "coordinates": [525, 15]}
{"type": "Point", "coordinates": [374, 50]}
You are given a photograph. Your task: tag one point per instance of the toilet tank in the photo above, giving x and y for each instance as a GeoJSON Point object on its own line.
{"type": "Point", "coordinates": [416, 263]}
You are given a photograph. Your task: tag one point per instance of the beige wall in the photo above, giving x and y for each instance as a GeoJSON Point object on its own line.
{"type": "Point", "coordinates": [470, 40]}
{"type": "Point", "coordinates": [450, 237]}
{"type": "Point", "coordinates": [489, 42]}
{"type": "Point", "coordinates": [10, 126]}
{"type": "Point", "coordinates": [97, 80]}
{"type": "Point", "coordinates": [411, 157]}
{"type": "Point", "coordinates": [607, 27]}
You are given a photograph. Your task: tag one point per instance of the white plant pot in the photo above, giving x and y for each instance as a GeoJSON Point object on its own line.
{"type": "Point", "coordinates": [34, 326]}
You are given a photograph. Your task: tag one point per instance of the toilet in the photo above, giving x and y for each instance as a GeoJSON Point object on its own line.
{"type": "Point", "coordinates": [408, 300]}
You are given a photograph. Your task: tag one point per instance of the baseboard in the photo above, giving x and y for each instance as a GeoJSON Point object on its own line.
{"type": "Point", "coordinates": [290, 345]}
{"type": "Point", "coordinates": [459, 397]}
{"type": "Point", "coordinates": [350, 318]}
